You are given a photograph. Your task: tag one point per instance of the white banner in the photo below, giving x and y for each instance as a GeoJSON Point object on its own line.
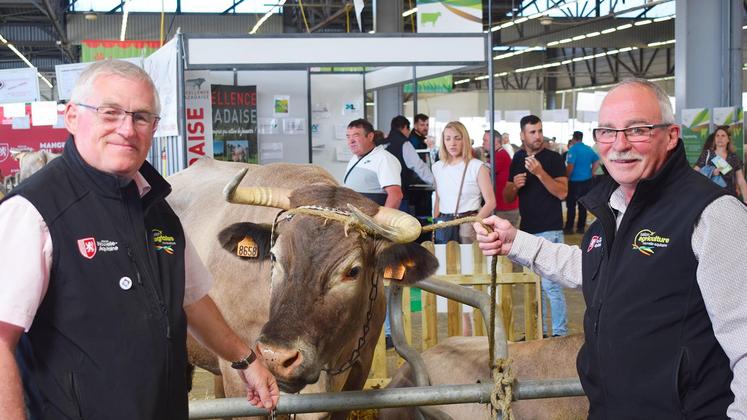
{"type": "Point", "coordinates": [555, 115]}
{"type": "Point", "coordinates": [161, 66]}
{"type": "Point", "coordinates": [19, 85]}
{"type": "Point", "coordinates": [199, 115]}
{"type": "Point", "coordinates": [446, 16]}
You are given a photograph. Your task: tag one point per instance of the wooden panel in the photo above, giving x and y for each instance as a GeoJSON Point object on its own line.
{"type": "Point", "coordinates": [378, 367]}
{"type": "Point", "coordinates": [453, 266]}
{"type": "Point", "coordinates": [406, 320]}
{"type": "Point", "coordinates": [478, 262]}
{"type": "Point", "coordinates": [532, 331]}
{"type": "Point", "coordinates": [429, 314]}
{"type": "Point", "coordinates": [507, 299]}
{"type": "Point", "coordinates": [538, 299]}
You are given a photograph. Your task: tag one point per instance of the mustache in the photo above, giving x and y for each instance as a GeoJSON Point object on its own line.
{"type": "Point", "coordinates": [627, 155]}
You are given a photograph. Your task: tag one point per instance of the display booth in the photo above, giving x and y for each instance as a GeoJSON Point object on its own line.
{"type": "Point", "coordinates": [304, 90]}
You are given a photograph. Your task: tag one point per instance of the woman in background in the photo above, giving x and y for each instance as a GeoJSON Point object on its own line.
{"type": "Point", "coordinates": [719, 146]}
{"type": "Point", "coordinates": [463, 186]}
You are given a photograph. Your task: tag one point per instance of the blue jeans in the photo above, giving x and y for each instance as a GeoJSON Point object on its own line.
{"type": "Point", "coordinates": [554, 293]}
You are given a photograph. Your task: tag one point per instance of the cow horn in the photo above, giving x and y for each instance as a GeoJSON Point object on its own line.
{"type": "Point", "coordinates": [395, 225]}
{"type": "Point", "coordinates": [256, 196]}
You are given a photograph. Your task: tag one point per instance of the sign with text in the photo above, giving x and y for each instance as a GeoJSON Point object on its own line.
{"type": "Point", "coordinates": [30, 137]}
{"type": "Point", "coordinates": [696, 124]}
{"type": "Point", "coordinates": [198, 114]}
{"type": "Point", "coordinates": [19, 85]}
{"type": "Point", "coordinates": [235, 123]}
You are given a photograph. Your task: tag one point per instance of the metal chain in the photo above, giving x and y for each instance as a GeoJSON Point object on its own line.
{"type": "Point", "coordinates": [366, 328]}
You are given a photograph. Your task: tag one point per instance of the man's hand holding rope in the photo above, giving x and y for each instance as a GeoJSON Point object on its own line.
{"type": "Point", "coordinates": [500, 240]}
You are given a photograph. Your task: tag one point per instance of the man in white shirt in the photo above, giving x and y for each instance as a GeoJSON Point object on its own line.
{"type": "Point", "coordinates": [372, 171]}
{"type": "Point", "coordinates": [662, 271]}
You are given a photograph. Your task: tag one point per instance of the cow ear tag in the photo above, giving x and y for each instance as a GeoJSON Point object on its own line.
{"type": "Point", "coordinates": [247, 248]}
{"type": "Point", "coordinates": [394, 273]}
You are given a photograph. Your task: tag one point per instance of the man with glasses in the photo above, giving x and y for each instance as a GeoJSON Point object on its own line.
{"type": "Point", "coordinates": [663, 272]}
{"type": "Point", "coordinates": [98, 272]}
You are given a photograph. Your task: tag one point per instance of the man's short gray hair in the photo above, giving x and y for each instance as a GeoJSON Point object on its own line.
{"type": "Point", "coordinates": [665, 106]}
{"type": "Point", "coordinates": [84, 85]}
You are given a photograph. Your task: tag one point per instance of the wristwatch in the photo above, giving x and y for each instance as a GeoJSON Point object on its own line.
{"type": "Point", "coordinates": [245, 362]}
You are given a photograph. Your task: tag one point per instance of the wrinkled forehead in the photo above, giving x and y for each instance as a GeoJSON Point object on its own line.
{"type": "Point", "coordinates": [629, 104]}
{"type": "Point", "coordinates": [311, 240]}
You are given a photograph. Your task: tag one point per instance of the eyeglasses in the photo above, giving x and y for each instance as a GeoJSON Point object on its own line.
{"type": "Point", "coordinates": [635, 134]}
{"type": "Point", "coordinates": [114, 115]}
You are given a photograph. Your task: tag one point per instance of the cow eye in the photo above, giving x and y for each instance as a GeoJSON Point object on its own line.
{"type": "Point", "coordinates": [272, 257]}
{"type": "Point", "coordinates": [353, 272]}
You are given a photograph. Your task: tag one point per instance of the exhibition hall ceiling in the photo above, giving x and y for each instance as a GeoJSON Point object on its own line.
{"type": "Point", "coordinates": [538, 44]}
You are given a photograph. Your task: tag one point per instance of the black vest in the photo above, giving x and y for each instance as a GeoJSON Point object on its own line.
{"type": "Point", "coordinates": [109, 338]}
{"type": "Point", "coordinates": [650, 350]}
{"type": "Point", "coordinates": [394, 144]}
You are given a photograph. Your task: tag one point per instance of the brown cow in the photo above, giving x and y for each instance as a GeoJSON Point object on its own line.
{"type": "Point", "coordinates": [464, 360]}
{"type": "Point", "coordinates": [311, 317]}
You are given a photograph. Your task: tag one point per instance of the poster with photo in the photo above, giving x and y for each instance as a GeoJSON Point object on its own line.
{"type": "Point", "coordinates": [281, 106]}
{"type": "Point", "coordinates": [235, 123]}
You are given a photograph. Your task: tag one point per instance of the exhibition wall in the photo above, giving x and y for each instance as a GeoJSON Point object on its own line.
{"type": "Point", "coordinates": [336, 99]}
{"type": "Point", "coordinates": [282, 112]}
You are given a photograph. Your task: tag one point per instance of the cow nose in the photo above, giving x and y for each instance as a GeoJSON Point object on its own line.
{"type": "Point", "coordinates": [281, 361]}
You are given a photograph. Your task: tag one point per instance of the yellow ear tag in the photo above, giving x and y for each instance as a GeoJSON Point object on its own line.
{"type": "Point", "coordinates": [394, 273]}
{"type": "Point", "coordinates": [247, 248]}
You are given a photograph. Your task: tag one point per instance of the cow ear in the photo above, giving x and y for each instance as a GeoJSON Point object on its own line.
{"type": "Point", "coordinates": [240, 238]}
{"type": "Point", "coordinates": [406, 262]}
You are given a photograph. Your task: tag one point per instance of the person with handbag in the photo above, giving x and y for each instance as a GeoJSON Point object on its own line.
{"type": "Point", "coordinates": [463, 186]}
{"type": "Point", "coordinates": [719, 162]}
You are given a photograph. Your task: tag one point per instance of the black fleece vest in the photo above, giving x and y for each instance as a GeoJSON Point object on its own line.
{"type": "Point", "coordinates": [109, 338]}
{"type": "Point", "coordinates": [650, 350]}
{"type": "Point", "coordinates": [395, 141]}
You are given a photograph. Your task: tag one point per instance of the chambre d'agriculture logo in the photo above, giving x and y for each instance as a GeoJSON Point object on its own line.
{"type": "Point", "coordinates": [647, 241]}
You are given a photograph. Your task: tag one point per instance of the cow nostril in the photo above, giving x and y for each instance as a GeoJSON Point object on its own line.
{"type": "Point", "coordinates": [291, 360]}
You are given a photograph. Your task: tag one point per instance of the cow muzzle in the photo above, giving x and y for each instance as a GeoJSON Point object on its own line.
{"type": "Point", "coordinates": [293, 368]}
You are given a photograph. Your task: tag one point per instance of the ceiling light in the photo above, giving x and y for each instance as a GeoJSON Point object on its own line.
{"type": "Point", "coordinates": [623, 27]}
{"type": "Point", "coordinates": [91, 15]}
{"type": "Point", "coordinates": [643, 22]}
{"type": "Point", "coordinates": [609, 30]}
{"type": "Point", "coordinates": [24, 59]}
{"type": "Point", "coordinates": [459, 82]}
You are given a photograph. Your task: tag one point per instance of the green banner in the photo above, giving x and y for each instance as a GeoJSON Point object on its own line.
{"type": "Point", "coordinates": [95, 50]}
{"type": "Point", "coordinates": [696, 124]}
{"type": "Point", "coordinates": [443, 84]}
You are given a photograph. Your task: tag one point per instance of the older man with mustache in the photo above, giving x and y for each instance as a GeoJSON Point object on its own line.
{"type": "Point", "coordinates": [662, 271]}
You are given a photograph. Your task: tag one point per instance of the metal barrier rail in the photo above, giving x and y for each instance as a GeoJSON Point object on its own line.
{"type": "Point", "coordinates": [385, 398]}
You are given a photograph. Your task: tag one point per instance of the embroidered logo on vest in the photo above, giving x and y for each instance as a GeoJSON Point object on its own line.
{"type": "Point", "coordinates": [646, 241]}
{"type": "Point", "coordinates": [163, 242]}
{"type": "Point", "coordinates": [595, 242]}
{"type": "Point", "coordinates": [87, 247]}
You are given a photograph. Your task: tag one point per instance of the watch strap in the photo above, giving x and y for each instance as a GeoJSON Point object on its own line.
{"type": "Point", "coordinates": [244, 362]}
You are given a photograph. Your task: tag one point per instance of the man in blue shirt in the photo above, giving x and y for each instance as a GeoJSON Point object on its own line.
{"type": "Point", "coordinates": [581, 163]}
